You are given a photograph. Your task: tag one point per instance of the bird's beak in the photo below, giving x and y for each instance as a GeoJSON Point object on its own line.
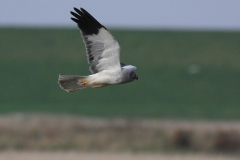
{"type": "Point", "coordinates": [136, 77]}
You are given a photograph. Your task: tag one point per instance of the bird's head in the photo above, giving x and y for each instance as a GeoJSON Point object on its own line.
{"type": "Point", "coordinates": [134, 76]}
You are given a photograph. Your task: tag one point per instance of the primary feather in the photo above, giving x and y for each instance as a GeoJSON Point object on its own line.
{"type": "Point", "coordinates": [102, 48]}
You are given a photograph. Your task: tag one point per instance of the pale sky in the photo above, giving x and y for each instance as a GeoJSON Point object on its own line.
{"type": "Point", "coordinates": [160, 14]}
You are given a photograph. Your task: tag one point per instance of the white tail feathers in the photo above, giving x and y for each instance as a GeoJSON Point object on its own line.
{"type": "Point", "coordinates": [71, 83]}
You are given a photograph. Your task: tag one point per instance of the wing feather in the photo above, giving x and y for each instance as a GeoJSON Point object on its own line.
{"type": "Point", "coordinates": [103, 50]}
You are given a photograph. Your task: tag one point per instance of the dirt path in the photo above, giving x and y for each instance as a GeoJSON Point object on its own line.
{"type": "Point", "coordinates": [67, 132]}
{"type": "Point", "coordinates": [13, 155]}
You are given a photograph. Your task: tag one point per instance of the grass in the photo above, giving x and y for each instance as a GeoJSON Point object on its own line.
{"type": "Point", "coordinates": [130, 111]}
{"type": "Point", "coordinates": [31, 60]}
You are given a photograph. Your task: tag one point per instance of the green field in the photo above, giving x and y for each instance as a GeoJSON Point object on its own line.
{"type": "Point", "coordinates": [31, 60]}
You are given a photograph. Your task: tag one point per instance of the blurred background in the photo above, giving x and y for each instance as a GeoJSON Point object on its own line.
{"type": "Point", "coordinates": [186, 99]}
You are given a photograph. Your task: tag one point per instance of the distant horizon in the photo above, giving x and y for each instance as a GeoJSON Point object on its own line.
{"type": "Point", "coordinates": [122, 28]}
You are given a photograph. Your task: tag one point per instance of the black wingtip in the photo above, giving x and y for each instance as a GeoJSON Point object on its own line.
{"type": "Point", "coordinates": [74, 19]}
{"type": "Point", "coordinates": [86, 22]}
{"type": "Point", "coordinates": [83, 10]}
{"type": "Point", "coordinates": [75, 8]}
{"type": "Point", "coordinates": [71, 12]}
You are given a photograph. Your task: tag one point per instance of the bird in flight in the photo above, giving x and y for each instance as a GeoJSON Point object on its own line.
{"type": "Point", "coordinates": [103, 53]}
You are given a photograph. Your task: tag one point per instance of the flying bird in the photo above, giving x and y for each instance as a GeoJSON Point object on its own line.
{"type": "Point", "coordinates": [103, 53]}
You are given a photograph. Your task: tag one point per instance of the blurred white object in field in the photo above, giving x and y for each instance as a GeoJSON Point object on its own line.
{"type": "Point", "coordinates": [193, 69]}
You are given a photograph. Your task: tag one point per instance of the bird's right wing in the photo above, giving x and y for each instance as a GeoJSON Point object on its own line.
{"type": "Point", "coordinates": [103, 50]}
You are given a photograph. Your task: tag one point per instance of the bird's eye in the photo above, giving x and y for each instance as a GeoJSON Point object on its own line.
{"type": "Point", "coordinates": [133, 75]}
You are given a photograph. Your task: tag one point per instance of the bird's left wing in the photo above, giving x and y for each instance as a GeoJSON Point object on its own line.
{"type": "Point", "coordinates": [103, 50]}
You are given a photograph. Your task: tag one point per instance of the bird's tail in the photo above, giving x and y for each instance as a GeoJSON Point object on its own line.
{"type": "Point", "coordinates": [71, 83]}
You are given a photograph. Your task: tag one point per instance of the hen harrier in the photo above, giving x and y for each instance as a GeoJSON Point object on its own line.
{"type": "Point", "coordinates": [103, 52]}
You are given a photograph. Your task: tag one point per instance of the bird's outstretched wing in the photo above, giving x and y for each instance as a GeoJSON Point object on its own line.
{"type": "Point", "coordinates": [103, 50]}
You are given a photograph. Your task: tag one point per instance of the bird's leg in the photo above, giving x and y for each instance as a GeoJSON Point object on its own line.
{"type": "Point", "coordinates": [84, 82]}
